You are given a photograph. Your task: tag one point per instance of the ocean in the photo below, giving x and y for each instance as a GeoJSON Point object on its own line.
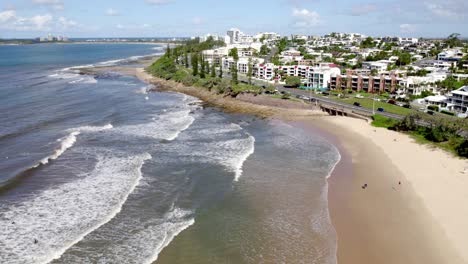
{"type": "Point", "coordinates": [96, 169]}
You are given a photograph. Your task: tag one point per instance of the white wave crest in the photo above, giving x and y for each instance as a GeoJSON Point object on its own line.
{"type": "Point", "coordinates": [85, 79]}
{"type": "Point", "coordinates": [237, 162]}
{"type": "Point", "coordinates": [92, 128]}
{"type": "Point", "coordinates": [66, 143]}
{"type": "Point", "coordinates": [41, 229]}
{"type": "Point", "coordinates": [229, 146]}
{"type": "Point", "coordinates": [165, 126]}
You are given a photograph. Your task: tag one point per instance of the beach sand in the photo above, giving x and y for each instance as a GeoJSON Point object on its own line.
{"type": "Point", "coordinates": [421, 220]}
{"type": "Point", "coordinates": [414, 208]}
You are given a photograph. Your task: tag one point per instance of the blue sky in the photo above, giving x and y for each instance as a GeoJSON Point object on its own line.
{"type": "Point", "coordinates": [166, 18]}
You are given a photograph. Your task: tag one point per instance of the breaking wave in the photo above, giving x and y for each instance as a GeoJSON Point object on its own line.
{"type": "Point", "coordinates": [41, 229]}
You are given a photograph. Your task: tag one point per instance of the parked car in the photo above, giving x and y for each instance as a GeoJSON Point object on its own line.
{"type": "Point", "coordinates": [380, 109]}
{"type": "Point", "coordinates": [430, 112]}
{"type": "Point", "coordinates": [390, 101]}
{"type": "Point", "coordinates": [359, 96]}
{"type": "Point", "coordinates": [407, 106]}
{"type": "Point", "coordinates": [357, 104]}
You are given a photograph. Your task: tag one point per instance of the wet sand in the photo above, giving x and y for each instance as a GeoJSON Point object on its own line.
{"type": "Point", "coordinates": [387, 222]}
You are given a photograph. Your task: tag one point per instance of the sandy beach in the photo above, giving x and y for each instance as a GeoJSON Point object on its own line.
{"type": "Point", "coordinates": [412, 210]}
{"type": "Point", "coordinates": [393, 220]}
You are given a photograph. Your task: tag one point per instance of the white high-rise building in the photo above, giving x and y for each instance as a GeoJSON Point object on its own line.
{"type": "Point", "coordinates": [234, 35]}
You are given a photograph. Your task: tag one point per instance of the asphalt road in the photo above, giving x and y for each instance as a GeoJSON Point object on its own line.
{"type": "Point", "coordinates": [333, 103]}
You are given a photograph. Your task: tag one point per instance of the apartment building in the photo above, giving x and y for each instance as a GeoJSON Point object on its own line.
{"type": "Point", "coordinates": [264, 71]}
{"type": "Point", "coordinates": [365, 83]}
{"type": "Point", "coordinates": [317, 77]}
{"type": "Point", "coordinates": [459, 100]}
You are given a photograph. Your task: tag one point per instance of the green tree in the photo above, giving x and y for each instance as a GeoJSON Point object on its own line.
{"type": "Point", "coordinates": [368, 43]}
{"type": "Point", "coordinates": [234, 77]}
{"type": "Point", "coordinates": [202, 67]}
{"type": "Point", "coordinates": [221, 69]}
{"type": "Point", "coordinates": [264, 50]}
{"type": "Point", "coordinates": [283, 44]}
{"type": "Point", "coordinates": [194, 62]}
{"type": "Point", "coordinates": [250, 70]}
{"type": "Point", "coordinates": [276, 60]}
{"type": "Point", "coordinates": [168, 51]}
{"type": "Point", "coordinates": [234, 53]}
{"type": "Point", "coordinates": [453, 40]}
{"type": "Point", "coordinates": [213, 70]}
{"type": "Point", "coordinates": [293, 81]}
{"type": "Point", "coordinates": [186, 60]}
{"type": "Point", "coordinates": [207, 67]}
{"type": "Point", "coordinates": [404, 58]}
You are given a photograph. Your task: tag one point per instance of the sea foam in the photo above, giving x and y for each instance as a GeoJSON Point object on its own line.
{"type": "Point", "coordinates": [60, 217]}
{"type": "Point", "coordinates": [69, 140]}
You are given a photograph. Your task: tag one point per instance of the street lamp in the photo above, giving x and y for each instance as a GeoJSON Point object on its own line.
{"type": "Point", "coordinates": [373, 106]}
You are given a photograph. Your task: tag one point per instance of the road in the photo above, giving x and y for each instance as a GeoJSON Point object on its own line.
{"type": "Point", "coordinates": [333, 103]}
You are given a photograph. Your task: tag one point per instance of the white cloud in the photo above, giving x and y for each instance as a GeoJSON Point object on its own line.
{"type": "Point", "coordinates": [439, 10]}
{"type": "Point", "coordinates": [360, 10]}
{"type": "Point", "coordinates": [11, 21]}
{"type": "Point", "coordinates": [65, 24]}
{"type": "Point", "coordinates": [132, 27]}
{"type": "Point", "coordinates": [407, 28]}
{"type": "Point", "coordinates": [197, 21]}
{"type": "Point", "coordinates": [451, 9]}
{"type": "Point", "coordinates": [6, 16]}
{"type": "Point", "coordinates": [54, 4]}
{"type": "Point", "coordinates": [35, 23]}
{"type": "Point", "coordinates": [158, 2]}
{"type": "Point", "coordinates": [305, 18]}
{"type": "Point", "coordinates": [112, 12]}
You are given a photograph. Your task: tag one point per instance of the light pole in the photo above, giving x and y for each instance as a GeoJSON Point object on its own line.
{"type": "Point", "coordinates": [373, 105]}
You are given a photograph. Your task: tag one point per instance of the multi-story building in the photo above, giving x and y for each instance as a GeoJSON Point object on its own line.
{"type": "Point", "coordinates": [314, 77]}
{"type": "Point", "coordinates": [365, 83]}
{"type": "Point", "coordinates": [264, 71]}
{"type": "Point", "coordinates": [234, 35]}
{"type": "Point", "coordinates": [459, 100]}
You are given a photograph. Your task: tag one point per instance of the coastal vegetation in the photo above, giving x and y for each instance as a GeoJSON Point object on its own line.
{"type": "Point", "coordinates": [446, 133]}
{"type": "Point", "coordinates": [174, 65]}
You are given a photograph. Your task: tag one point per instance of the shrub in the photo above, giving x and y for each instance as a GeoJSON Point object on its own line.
{"type": "Point", "coordinates": [462, 149]}
{"type": "Point", "coordinates": [189, 80]}
{"type": "Point", "coordinates": [293, 81]}
{"type": "Point", "coordinates": [180, 75]}
{"type": "Point", "coordinates": [386, 122]}
{"type": "Point", "coordinates": [433, 108]}
{"type": "Point", "coordinates": [447, 112]}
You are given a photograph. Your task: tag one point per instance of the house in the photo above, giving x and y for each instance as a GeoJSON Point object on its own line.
{"type": "Point", "coordinates": [459, 100]}
{"type": "Point", "coordinates": [439, 100]}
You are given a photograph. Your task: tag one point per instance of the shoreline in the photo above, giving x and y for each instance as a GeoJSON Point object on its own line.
{"type": "Point", "coordinates": [391, 221]}
{"type": "Point", "coordinates": [387, 222]}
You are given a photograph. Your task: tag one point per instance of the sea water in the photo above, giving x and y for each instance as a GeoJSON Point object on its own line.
{"type": "Point", "coordinates": [96, 170]}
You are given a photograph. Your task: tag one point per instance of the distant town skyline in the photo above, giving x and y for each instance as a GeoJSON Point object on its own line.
{"type": "Point", "coordinates": [180, 18]}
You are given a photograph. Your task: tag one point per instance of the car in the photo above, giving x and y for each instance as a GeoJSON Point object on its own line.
{"type": "Point", "coordinates": [430, 112]}
{"type": "Point", "coordinates": [380, 109]}
{"type": "Point", "coordinates": [359, 96]}
{"type": "Point", "coordinates": [407, 106]}
{"type": "Point", "coordinates": [391, 101]}
{"type": "Point", "coordinates": [357, 104]}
